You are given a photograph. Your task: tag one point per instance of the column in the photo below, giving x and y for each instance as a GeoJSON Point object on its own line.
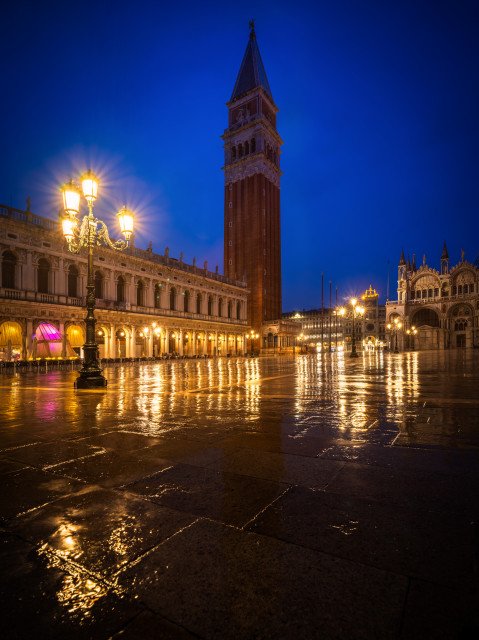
{"type": "Point", "coordinates": [29, 338]}
{"type": "Point", "coordinates": [180, 342]}
{"type": "Point", "coordinates": [29, 280]}
{"type": "Point", "coordinates": [131, 344]}
{"type": "Point", "coordinates": [167, 340]}
{"type": "Point", "coordinates": [62, 282]}
{"type": "Point", "coordinates": [193, 343]}
{"type": "Point", "coordinates": [110, 343]}
{"type": "Point", "coordinates": [149, 343]}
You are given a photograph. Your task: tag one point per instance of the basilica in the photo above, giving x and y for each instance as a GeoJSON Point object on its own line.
{"type": "Point", "coordinates": [435, 308]}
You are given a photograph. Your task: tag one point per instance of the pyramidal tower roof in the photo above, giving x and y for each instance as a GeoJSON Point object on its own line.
{"type": "Point", "coordinates": [251, 73]}
{"type": "Point", "coordinates": [445, 255]}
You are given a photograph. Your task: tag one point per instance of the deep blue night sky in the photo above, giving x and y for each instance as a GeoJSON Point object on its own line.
{"type": "Point", "coordinates": [379, 105]}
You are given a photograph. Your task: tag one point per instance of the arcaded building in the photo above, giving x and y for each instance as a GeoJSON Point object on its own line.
{"type": "Point", "coordinates": [146, 304]}
{"type": "Point", "coordinates": [441, 305]}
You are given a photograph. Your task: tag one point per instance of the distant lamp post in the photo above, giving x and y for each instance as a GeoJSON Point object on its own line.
{"type": "Point", "coordinates": [410, 336]}
{"type": "Point", "coordinates": [356, 312]}
{"type": "Point", "coordinates": [252, 336]}
{"type": "Point", "coordinates": [87, 235]}
{"type": "Point", "coordinates": [394, 328]}
{"type": "Point", "coordinates": [157, 334]}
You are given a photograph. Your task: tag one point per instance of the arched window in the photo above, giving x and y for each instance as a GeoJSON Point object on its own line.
{"type": "Point", "coordinates": [240, 150]}
{"type": "Point", "coordinates": [98, 285]}
{"type": "Point", "coordinates": [459, 289]}
{"type": "Point", "coordinates": [229, 309]}
{"type": "Point", "coordinates": [9, 261]}
{"type": "Point", "coordinates": [120, 289]}
{"type": "Point", "coordinates": [426, 317]}
{"type": "Point", "coordinates": [238, 309]}
{"type": "Point", "coordinates": [72, 281]}
{"type": "Point", "coordinates": [246, 148]}
{"type": "Point", "coordinates": [198, 303]}
{"type": "Point", "coordinates": [220, 307]}
{"type": "Point", "coordinates": [233, 153]}
{"type": "Point", "coordinates": [157, 296]}
{"type": "Point", "coordinates": [43, 273]}
{"type": "Point", "coordinates": [210, 305]}
{"type": "Point", "coordinates": [139, 294]}
{"type": "Point", "coordinates": [253, 145]}
{"type": "Point", "coordinates": [187, 301]}
{"type": "Point", "coordinates": [172, 298]}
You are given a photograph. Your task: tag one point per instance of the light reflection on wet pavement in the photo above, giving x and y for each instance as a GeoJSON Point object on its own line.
{"type": "Point", "coordinates": [243, 498]}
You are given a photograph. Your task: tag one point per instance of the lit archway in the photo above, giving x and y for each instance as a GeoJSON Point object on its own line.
{"type": "Point", "coordinates": [10, 341]}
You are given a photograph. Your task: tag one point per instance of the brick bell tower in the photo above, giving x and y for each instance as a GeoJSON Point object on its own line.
{"type": "Point", "coordinates": [252, 236]}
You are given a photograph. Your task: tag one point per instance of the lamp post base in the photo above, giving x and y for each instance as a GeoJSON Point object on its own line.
{"type": "Point", "coordinates": [90, 380]}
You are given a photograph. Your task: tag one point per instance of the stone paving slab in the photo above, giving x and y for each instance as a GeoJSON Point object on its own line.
{"type": "Point", "coordinates": [100, 530]}
{"type": "Point", "coordinates": [112, 469]}
{"type": "Point", "coordinates": [229, 498]}
{"type": "Point", "coordinates": [32, 489]}
{"type": "Point", "coordinates": [51, 453]}
{"type": "Point", "coordinates": [213, 579]}
{"type": "Point", "coordinates": [457, 462]}
{"type": "Point", "coordinates": [41, 597]}
{"type": "Point", "coordinates": [415, 489]}
{"type": "Point", "coordinates": [432, 547]}
{"type": "Point", "coordinates": [280, 467]}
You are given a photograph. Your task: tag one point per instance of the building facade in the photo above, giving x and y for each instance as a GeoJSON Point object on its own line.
{"type": "Point", "coordinates": [437, 308]}
{"type": "Point", "coordinates": [146, 304]}
{"type": "Point", "coordinates": [329, 329]}
{"type": "Point", "coordinates": [252, 146]}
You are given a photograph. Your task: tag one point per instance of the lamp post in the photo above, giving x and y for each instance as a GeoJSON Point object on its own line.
{"type": "Point", "coordinates": [356, 312]}
{"type": "Point", "coordinates": [252, 335]}
{"type": "Point", "coordinates": [410, 336]}
{"type": "Point", "coordinates": [157, 333]}
{"type": "Point", "coordinates": [90, 375]}
{"type": "Point", "coordinates": [394, 328]}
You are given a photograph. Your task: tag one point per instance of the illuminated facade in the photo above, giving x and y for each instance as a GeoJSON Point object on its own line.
{"type": "Point", "coordinates": [146, 304]}
{"type": "Point", "coordinates": [441, 306]}
{"type": "Point", "coordinates": [333, 329]}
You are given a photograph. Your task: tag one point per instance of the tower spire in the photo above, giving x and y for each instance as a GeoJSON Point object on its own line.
{"type": "Point", "coordinates": [445, 255]}
{"type": "Point", "coordinates": [251, 73]}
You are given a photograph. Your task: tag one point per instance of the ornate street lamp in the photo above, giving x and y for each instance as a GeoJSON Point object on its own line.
{"type": "Point", "coordinates": [394, 329]}
{"type": "Point", "coordinates": [157, 333]}
{"type": "Point", "coordinates": [356, 311]}
{"type": "Point", "coordinates": [410, 336]}
{"type": "Point", "coordinates": [87, 235]}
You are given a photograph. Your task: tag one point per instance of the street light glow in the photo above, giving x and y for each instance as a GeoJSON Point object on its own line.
{"type": "Point", "coordinates": [89, 183]}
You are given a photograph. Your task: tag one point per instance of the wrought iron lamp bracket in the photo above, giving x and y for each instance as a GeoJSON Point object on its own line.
{"type": "Point", "coordinates": [102, 235]}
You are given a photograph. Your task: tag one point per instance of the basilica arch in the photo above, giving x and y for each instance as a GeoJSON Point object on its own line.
{"type": "Point", "coordinates": [461, 326]}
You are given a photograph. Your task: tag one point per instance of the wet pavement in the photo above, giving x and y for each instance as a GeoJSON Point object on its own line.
{"type": "Point", "coordinates": [315, 497]}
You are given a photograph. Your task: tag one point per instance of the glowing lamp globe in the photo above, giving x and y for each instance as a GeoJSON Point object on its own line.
{"type": "Point", "coordinates": [68, 226]}
{"type": "Point", "coordinates": [71, 198]}
{"type": "Point", "coordinates": [125, 220]}
{"type": "Point", "coordinates": [89, 184]}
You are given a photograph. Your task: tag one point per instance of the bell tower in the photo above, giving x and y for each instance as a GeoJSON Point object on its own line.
{"type": "Point", "coordinates": [252, 235]}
